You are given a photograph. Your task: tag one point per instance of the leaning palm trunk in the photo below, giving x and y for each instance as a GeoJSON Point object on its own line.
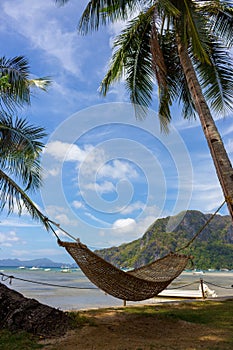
{"type": "Point", "coordinates": [220, 158]}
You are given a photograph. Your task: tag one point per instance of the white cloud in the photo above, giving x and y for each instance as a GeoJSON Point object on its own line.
{"type": "Point", "coordinates": [104, 187]}
{"type": "Point", "coordinates": [129, 229]}
{"type": "Point", "coordinates": [8, 239]}
{"type": "Point", "coordinates": [60, 215]}
{"type": "Point", "coordinates": [124, 225]}
{"type": "Point", "coordinates": [63, 151]}
{"type": "Point", "coordinates": [77, 204]}
{"type": "Point", "coordinates": [118, 170]}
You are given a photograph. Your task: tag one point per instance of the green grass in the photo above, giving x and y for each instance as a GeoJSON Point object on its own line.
{"type": "Point", "coordinates": [79, 320]}
{"type": "Point", "coordinates": [219, 314]}
{"type": "Point", "coordinates": [18, 341]}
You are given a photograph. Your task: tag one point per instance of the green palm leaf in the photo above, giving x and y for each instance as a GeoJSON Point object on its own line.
{"type": "Point", "coordinates": [20, 149]}
{"type": "Point", "coordinates": [15, 88]}
{"type": "Point", "coordinates": [132, 59]}
{"type": "Point", "coordinates": [11, 195]}
{"type": "Point", "coordinates": [217, 79]}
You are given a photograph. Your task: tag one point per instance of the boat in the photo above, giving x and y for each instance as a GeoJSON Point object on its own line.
{"type": "Point", "coordinates": [198, 272]}
{"type": "Point", "coordinates": [65, 269]}
{"type": "Point", "coordinates": [203, 292]}
{"type": "Point", "coordinates": [34, 268]}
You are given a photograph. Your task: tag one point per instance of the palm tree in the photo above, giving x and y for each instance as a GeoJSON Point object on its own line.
{"type": "Point", "coordinates": [183, 44]}
{"type": "Point", "coordinates": [16, 84]}
{"type": "Point", "coordinates": [20, 171]}
{"type": "Point", "coordinates": [20, 143]}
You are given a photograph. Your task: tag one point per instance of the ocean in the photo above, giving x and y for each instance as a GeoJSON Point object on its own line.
{"type": "Point", "coordinates": [86, 296]}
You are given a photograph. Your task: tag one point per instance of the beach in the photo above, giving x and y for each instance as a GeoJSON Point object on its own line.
{"type": "Point", "coordinates": [155, 324]}
{"type": "Point", "coordinates": [85, 295]}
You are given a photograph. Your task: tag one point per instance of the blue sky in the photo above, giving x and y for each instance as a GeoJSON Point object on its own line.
{"type": "Point", "coordinates": [107, 176]}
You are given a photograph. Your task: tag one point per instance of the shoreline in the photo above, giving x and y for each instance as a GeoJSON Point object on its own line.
{"type": "Point", "coordinates": [92, 297]}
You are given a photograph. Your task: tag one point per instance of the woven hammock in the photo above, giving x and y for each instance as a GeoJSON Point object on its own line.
{"type": "Point", "coordinates": [135, 285]}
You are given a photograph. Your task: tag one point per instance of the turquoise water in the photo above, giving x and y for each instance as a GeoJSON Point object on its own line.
{"type": "Point", "coordinates": [88, 296]}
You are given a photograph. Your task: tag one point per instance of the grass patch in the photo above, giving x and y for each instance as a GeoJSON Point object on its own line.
{"type": "Point", "coordinates": [213, 314]}
{"type": "Point", "coordinates": [18, 341]}
{"type": "Point", "coordinates": [217, 314]}
{"type": "Point", "coordinates": [79, 319]}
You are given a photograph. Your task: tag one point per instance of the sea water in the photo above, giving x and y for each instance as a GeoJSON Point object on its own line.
{"type": "Point", "coordinates": [85, 295]}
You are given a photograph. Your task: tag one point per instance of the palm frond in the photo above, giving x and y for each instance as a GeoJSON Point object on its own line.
{"type": "Point", "coordinates": [133, 59]}
{"type": "Point", "coordinates": [217, 79]}
{"type": "Point", "coordinates": [221, 21]}
{"type": "Point", "coordinates": [18, 92]}
{"type": "Point", "coordinates": [101, 12]}
{"type": "Point", "coordinates": [41, 83]}
{"type": "Point", "coordinates": [15, 83]}
{"type": "Point", "coordinates": [195, 31]}
{"type": "Point", "coordinates": [12, 196]}
{"type": "Point", "coordinates": [167, 8]}
{"type": "Point", "coordinates": [20, 150]}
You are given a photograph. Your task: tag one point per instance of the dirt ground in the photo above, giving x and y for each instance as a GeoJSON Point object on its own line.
{"type": "Point", "coordinates": [117, 330]}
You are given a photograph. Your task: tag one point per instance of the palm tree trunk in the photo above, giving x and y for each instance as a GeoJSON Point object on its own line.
{"type": "Point", "coordinates": [220, 158]}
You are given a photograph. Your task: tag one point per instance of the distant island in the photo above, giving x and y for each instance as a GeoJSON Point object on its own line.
{"type": "Point", "coordinates": [213, 249]}
{"type": "Point", "coordinates": [43, 262]}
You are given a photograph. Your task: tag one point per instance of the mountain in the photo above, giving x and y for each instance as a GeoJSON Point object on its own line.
{"type": "Point", "coordinates": [44, 262]}
{"type": "Point", "coordinates": [213, 248]}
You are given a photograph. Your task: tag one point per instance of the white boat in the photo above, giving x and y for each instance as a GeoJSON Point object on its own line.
{"type": "Point", "coordinates": [198, 272]}
{"type": "Point", "coordinates": [21, 267]}
{"type": "Point", "coordinates": [66, 270]}
{"type": "Point", "coordinates": [189, 294]}
{"type": "Point", "coordinates": [34, 268]}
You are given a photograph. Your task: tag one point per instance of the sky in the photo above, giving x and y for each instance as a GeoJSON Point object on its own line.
{"type": "Point", "coordinates": [106, 176]}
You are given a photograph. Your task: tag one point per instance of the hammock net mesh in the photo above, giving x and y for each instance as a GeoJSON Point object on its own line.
{"type": "Point", "coordinates": [135, 285]}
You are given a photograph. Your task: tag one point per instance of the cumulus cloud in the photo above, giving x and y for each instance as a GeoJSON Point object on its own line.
{"type": "Point", "coordinates": [63, 151]}
{"type": "Point", "coordinates": [124, 225]}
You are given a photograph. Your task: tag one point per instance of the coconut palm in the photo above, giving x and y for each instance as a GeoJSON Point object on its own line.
{"type": "Point", "coordinates": [16, 84]}
{"type": "Point", "coordinates": [20, 171]}
{"type": "Point", "coordinates": [183, 44]}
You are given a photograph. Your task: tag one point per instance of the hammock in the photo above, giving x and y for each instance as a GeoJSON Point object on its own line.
{"type": "Point", "coordinates": [135, 285]}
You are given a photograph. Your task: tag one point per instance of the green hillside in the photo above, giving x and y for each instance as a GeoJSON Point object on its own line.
{"type": "Point", "coordinates": [213, 248]}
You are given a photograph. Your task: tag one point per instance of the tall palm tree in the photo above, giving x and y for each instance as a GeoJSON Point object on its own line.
{"type": "Point", "coordinates": [183, 44]}
{"type": "Point", "coordinates": [16, 84]}
{"type": "Point", "coordinates": [20, 171]}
